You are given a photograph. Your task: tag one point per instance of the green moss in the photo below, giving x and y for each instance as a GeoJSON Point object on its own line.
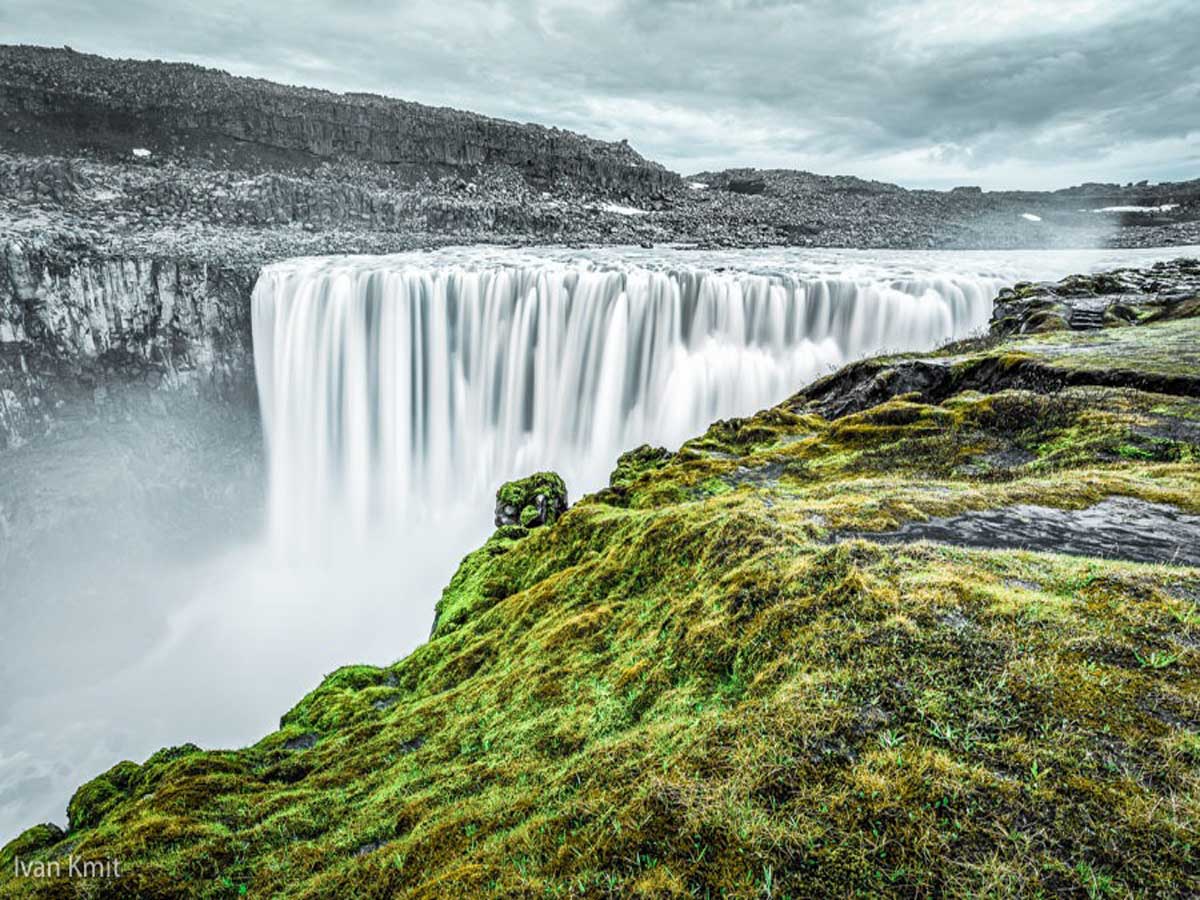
{"type": "Point", "coordinates": [636, 463]}
{"type": "Point", "coordinates": [681, 688]}
{"type": "Point", "coordinates": [100, 795]}
{"type": "Point", "coordinates": [531, 502]}
{"type": "Point", "coordinates": [1167, 349]}
{"type": "Point", "coordinates": [522, 492]}
{"type": "Point", "coordinates": [29, 843]}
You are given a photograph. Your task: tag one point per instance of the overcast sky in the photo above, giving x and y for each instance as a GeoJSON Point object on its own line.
{"type": "Point", "coordinates": [1002, 93]}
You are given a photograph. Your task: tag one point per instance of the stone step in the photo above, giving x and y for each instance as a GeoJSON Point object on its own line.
{"type": "Point", "coordinates": [1086, 319]}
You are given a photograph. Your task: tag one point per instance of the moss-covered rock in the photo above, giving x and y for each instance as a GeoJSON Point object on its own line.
{"type": "Point", "coordinates": [635, 463]}
{"type": "Point", "coordinates": [531, 502]}
{"type": "Point", "coordinates": [1108, 299]}
{"type": "Point", "coordinates": [30, 842]}
{"type": "Point", "coordinates": [100, 795]}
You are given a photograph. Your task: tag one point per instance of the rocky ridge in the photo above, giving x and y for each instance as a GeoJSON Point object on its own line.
{"type": "Point", "coordinates": [1165, 290]}
{"type": "Point", "coordinates": [60, 100]}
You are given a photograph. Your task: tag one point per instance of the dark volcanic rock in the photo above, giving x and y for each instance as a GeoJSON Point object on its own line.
{"type": "Point", "coordinates": [747, 186]}
{"type": "Point", "coordinates": [1083, 302]}
{"type": "Point", "coordinates": [71, 330]}
{"type": "Point", "coordinates": [303, 742]}
{"type": "Point", "coordinates": [264, 171]}
{"type": "Point", "coordinates": [1135, 297]}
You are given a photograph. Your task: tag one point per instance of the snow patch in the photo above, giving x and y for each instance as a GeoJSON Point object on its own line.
{"type": "Point", "coordinates": [698, 185]}
{"type": "Point", "coordinates": [1030, 217]}
{"type": "Point", "coordinates": [141, 153]}
{"type": "Point", "coordinates": [622, 210]}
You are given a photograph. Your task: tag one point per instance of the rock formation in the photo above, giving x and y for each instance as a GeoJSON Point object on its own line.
{"type": "Point", "coordinates": [531, 502]}
{"type": "Point", "coordinates": [147, 158]}
{"type": "Point", "coordinates": [1082, 302]}
{"type": "Point", "coordinates": [74, 336]}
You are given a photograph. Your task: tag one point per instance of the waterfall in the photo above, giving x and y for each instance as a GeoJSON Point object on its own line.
{"type": "Point", "coordinates": [391, 389]}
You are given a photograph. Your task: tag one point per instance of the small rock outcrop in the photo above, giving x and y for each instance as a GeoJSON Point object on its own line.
{"type": "Point", "coordinates": [1088, 302]}
{"type": "Point", "coordinates": [636, 462]}
{"type": "Point", "coordinates": [1127, 297]}
{"type": "Point", "coordinates": [531, 502]}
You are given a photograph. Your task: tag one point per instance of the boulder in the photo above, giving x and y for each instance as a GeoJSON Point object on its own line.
{"type": "Point", "coordinates": [98, 797]}
{"type": "Point", "coordinates": [747, 186]}
{"type": "Point", "coordinates": [531, 502]}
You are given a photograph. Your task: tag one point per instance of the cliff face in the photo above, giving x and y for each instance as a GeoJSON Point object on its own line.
{"type": "Point", "coordinates": [61, 101]}
{"type": "Point", "coordinates": [76, 336]}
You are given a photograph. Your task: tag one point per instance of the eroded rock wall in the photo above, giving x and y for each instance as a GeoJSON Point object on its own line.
{"type": "Point", "coordinates": [80, 338]}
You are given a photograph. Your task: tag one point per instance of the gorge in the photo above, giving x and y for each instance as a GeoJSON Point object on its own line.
{"type": "Point", "coordinates": [729, 579]}
{"type": "Point", "coordinates": [396, 394]}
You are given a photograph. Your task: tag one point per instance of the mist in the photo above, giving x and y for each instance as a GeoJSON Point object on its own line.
{"type": "Point", "coordinates": [146, 607]}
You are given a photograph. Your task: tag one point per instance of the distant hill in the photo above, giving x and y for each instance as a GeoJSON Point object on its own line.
{"type": "Point", "coordinates": [60, 101]}
{"type": "Point", "coordinates": [1087, 196]}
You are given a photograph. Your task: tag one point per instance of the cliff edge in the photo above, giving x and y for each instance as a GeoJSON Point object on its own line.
{"type": "Point", "coordinates": [928, 627]}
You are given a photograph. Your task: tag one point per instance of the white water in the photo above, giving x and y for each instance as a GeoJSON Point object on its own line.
{"type": "Point", "coordinates": [390, 388]}
{"type": "Point", "coordinates": [395, 388]}
{"type": "Point", "coordinates": [214, 647]}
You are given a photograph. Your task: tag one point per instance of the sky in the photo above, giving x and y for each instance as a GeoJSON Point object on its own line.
{"type": "Point", "coordinates": [1003, 94]}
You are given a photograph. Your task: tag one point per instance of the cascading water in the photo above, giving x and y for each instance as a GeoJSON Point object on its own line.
{"type": "Point", "coordinates": [392, 389]}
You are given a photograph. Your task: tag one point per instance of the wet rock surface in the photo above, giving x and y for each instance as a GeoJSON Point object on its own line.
{"type": "Point", "coordinates": [1117, 528]}
{"type": "Point", "coordinates": [79, 338]}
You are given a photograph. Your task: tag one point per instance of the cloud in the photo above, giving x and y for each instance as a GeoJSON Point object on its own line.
{"type": "Point", "coordinates": [1005, 94]}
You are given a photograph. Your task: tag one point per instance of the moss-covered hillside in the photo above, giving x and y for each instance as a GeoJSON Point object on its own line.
{"type": "Point", "coordinates": [707, 680]}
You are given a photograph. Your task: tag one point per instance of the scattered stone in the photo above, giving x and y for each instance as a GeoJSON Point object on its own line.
{"type": "Point", "coordinates": [412, 746]}
{"type": "Point", "coordinates": [303, 742]}
{"type": "Point", "coordinates": [955, 621]}
{"type": "Point", "coordinates": [1022, 585]}
{"type": "Point", "coordinates": [369, 847]}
